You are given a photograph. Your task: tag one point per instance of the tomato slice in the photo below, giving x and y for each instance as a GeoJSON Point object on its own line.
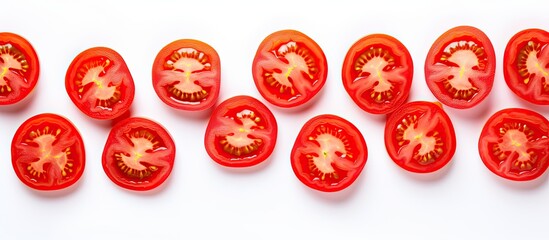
{"type": "Point", "coordinates": [420, 137]}
{"type": "Point", "coordinates": [241, 132]}
{"type": "Point", "coordinates": [139, 154]}
{"type": "Point", "coordinates": [19, 68]}
{"type": "Point", "coordinates": [460, 67]}
{"type": "Point", "coordinates": [289, 68]}
{"type": "Point", "coordinates": [186, 75]}
{"type": "Point", "coordinates": [377, 73]}
{"type": "Point", "coordinates": [100, 84]}
{"type": "Point", "coordinates": [526, 65]}
{"type": "Point", "coordinates": [47, 152]}
{"type": "Point", "coordinates": [514, 144]}
{"type": "Point", "coordinates": [329, 153]}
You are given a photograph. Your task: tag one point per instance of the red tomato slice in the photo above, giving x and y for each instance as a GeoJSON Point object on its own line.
{"type": "Point", "coordinates": [329, 153]}
{"type": "Point", "coordinates": [514, 144]}
{"type": "Point", "coordinates": [47, 152]}
{"type": "Point", "coordinates": [100, 84]}
{"type": "Point", "coordinates": [526, 65]}
{"type": "Point", "coordinates": [377, 73]}
{"type": "Point", "coordinates": [139, 154]}
{"type": "Point", "coordinates": [289, 68]}
{"type": "Point", "coordinates": [19, 68]}
{"type": "Point", "coordinates": [241, 132]}
{"type": "Point", "coordinates": [460, 67]}
{"type": "Point", "coordinates": [186, 75]}
{"type": "Point", "coordinates": [420, 137]}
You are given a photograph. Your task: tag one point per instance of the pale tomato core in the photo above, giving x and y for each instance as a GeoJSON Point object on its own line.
{"type": "Point", "coordinates": [102, 87]}
{"type": "Point", "coordinates": [48, 154]}
{"type": "Point", "coordinates": [295, 66]}
{"type": "Point", "coordinates": [188, 65]}
{"type": "Point", "coordinates": [138, 153]}
{"type": "Point", "coordinates": [375, 66]}
{"type": "Point", "coordinates": [8, 63]}
{"type": "Point", "coordinates": [466, 60]}
{"type": "Point", "coordinates": [416, 136]}
{"type": "Point", "coordinates": [535, 66]}
{"type": "Point", "coordinates": [329, 146]}
{"type": "Point", "coordinates": [515, 141]}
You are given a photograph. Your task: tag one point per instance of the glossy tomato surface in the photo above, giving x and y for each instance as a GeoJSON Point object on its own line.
{"type": "Point", "coordinates": [19, 68]}
{"type": "Point", "coordinates": [460, 67]}
{"type": "Point", "coordinates": [289, 68]}
{"type": "Point", "coordinates": [329, 153]}
{"type": "Point", "coordinates": [514, 144]}
{"type": "Point", "coordinates": [47, 152]}
{"type": "Point", "coordinates": [377, 73]}
{"type": "Point", "coordinates": [242, 132]}
{"type": "Point", "coordinates": [420, 137]}
{"type": "Point", "coordinates": [100, 84]}
{"type": "Point", "coordinates": [186, 75]}
{"type": "Point", "coordinates": [139, 154]}
{"type": "Point", "coordinates": [526, 65]}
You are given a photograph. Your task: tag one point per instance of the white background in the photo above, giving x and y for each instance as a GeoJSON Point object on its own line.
{"type": "Point", "coordinates": [202, 200]}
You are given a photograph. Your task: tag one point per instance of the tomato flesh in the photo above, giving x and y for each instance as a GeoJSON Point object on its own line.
{"type": "Point", "coordinates": [460, 67]}
{"type": "Point", "coordinates": [377, 73]}
{"type": "Point", "coordinates": [329, 153]}
{"type": "Point", "coordinates": [242, 132]}
{"type": "Point", "coordinates": [19, 68]}
{"type": "Point", "coordinates": [420, 137]}
{"type": "Point", "coordinates": [289, 68]}
{"type": "Point", "coordinates": [514, 144]}
{"type": "Point", "coordinates": [139, 154]}
{"type": "Point", "coordinates": [48, 152]}
{"type": "Point", "coordinates": [186, 75]}
{"type": "Point", "coordinates": [526, 65]}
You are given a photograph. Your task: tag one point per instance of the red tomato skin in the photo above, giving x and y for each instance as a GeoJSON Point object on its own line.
{"type": "Point", "coordinates": [361, 154]}
{"type": "Point", "coordinates": [420, 106]}
{"type": "Point", "coordinates": [125, 127]}
{"type": "Point", "coordinates": [240, 102]}
{"type": "Point", "coordinates": [510, 70]}
{"type": "Point", "coordinates": [32, 59]}
{"type": "Point", "coordinates": [523, 115]}
{"type": "Point", "coordinates": [401, 55]}
{"type": "Point", "coordinates": [268, 45]}
{"type": "Point", "coordinates": [158, 67]}
{"type": "Point", "coordinates": [79, 150]}
{"type": "Point", "coordinates": [127, 85]}
{"type": "Point", "coordinates": [466, 33]}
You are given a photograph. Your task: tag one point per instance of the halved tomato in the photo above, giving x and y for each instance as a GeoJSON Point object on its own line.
{"type": "Point", "coordinates": [139, 154]}
{"type": "Point", "coordinates": [377, 73]}
{"type": "Point", "coordinates": [186, 75]}
{"type": "Point", "coordinates": [329, 153]}
{"type": "Point", "coordinates": [460, 67]}
{"type": "Point", "coordinates": [100, 84]}
{"type": "Point", "coordinates": [19, 68]}
{"type": "Point", "coordinates": [289, 68]}
{"type": "Point", "coordinates": [47, 152]}
{"type": "Point", "coordinates": [241, 132]}
{"type": "Point", "coordinates": [420, 137]}
{"type": "Point", "coordinates": [526, 65]}
{"type": "Point", "coordinates": [514, 144]}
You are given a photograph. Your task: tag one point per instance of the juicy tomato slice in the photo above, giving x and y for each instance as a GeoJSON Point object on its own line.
{"type": "Point", "coordinates": [514, 144]}
{"type": "Point", "coordinates": [460, 67]}
{"type": "Point", "coordinates": [186, 75]}
{"type": "Point", "coordinates": [100, 84]}
{"type": "Point", "coordinates": [19, 68]}
{"type": "Point", "coordinates": [526, 65]}
{"type": "Point", "coordinates": [377, 73]}
{"type": "Point", "coordinates": [329, 153]}
{"type": "Point", "coordinates": [420, 137]}
{"type": "Point", "coordinates": [289, 68]}
{"type": "Point", "coordinates": [241, 132]}
{"type": "Point", "coordinates": [47, 152]}
{"type": "Point", "coordinates": [139, 154]}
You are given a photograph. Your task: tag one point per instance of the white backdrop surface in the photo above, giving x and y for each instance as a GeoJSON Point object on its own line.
{"type": "Point", "coordinates": [202, 200]}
